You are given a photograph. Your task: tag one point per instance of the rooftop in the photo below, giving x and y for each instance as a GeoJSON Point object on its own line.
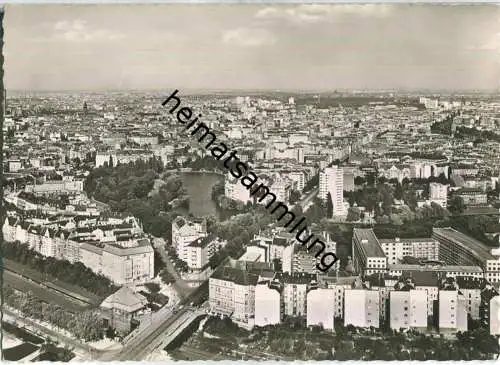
{"type": "Point", "coordinates": [125, 299]}
{"type": "Point", "coordinates": [441, 268]}
{"type": "Point", "coordinates": [479, 249]}
{"type": "Point", "coordinates": [235, 275]}
{"type": "Point", "coordinates": [368, 242]}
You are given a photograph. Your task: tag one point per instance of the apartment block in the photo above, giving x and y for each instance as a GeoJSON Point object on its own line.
{"type": "Point", "coordinates": [495, 316]}
{"type": "Point", "coordinates": [408, 309]}
{"type": "Point", "coordinates": [184, 232]}
{"type": "Point", "coordinates": [457, 248]}
{"type": "Point", "coordinates": [331, 180]}
{"type": "Point", "coordinates": [452, 311]}
{"type": "Point", "coordinates": [235, 191]}
{"type": "Point", "coordinates": [295, 287]}
{"type": "Point", "coordinates": [268, 303]}
{"type": "Point", "coordinates": [321, 308]}
{"type": "Point", "coordinates": [397, 248]}
{"type": "Point", "coordinates": [199, 252]}
{"type": "Point", "coordinates": [361, 308]}
{"type": "Point", "coordinates": [232, 293]}
{"type": "Point", "coordinates": [368, 256]}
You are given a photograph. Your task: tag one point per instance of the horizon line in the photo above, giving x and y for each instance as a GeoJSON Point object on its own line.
{"type": "Point", "coordinates": [276, 90]}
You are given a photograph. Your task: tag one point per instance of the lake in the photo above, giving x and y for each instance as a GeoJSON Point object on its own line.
{"type": "Point", "coordinates": [199, 188]}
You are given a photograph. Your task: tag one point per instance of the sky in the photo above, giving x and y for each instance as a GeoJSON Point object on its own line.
{"type": "Point", "coordinates": [265, 46]}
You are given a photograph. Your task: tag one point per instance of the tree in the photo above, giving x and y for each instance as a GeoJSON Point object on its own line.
{"type": "Point", "coordinates": [329, 205]}
{"type": "Point", "coordinates": [359, 180]}
{"type": "Point", "coordinates": [152, 287]}
{"type": "Point", "coordinates": [294, 196]}
{"type": "Point", "coordinates": [353, 214]}
{"type": "Point", "coordinates": [456, 205]}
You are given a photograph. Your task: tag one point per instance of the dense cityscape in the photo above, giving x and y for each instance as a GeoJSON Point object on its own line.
{"type": "Point", "coordinates": [121, 233]}
{"type": "Point", "coordinates": [250, 182]}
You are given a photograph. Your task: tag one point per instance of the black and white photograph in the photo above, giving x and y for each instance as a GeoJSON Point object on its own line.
{"type": "Point", "coordinates": [249, 182]}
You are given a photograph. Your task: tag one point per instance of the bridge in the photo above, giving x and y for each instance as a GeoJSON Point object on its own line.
{"type": "Point", "coordinates": [158, 334]}
{"type": "Point", "coordinates": [168, 335]}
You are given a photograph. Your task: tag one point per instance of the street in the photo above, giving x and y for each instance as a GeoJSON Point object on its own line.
{"type": "Point", "coordinates": [180, 285]}
{"type": "Point", "coordinates": [137, 345]}
{"type": "Point", "coordinates": [306, 201]}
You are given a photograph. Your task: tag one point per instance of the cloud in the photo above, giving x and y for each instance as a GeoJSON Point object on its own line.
{"type": "Point", "coordinates": [315, 13]}
{"type": "Point", "coordinates": [249, 37]}
{"type": "Point", "coordinates": [79, 31]}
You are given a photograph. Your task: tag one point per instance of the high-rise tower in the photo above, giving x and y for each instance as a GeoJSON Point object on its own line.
{"type": "Point", "coordinates": [331, 180]}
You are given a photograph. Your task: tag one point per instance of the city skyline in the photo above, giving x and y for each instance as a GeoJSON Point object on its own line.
{"type": "Point", "coordinates": [253, 47]}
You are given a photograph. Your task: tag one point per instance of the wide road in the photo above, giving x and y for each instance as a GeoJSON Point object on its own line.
{"type": "Point", "coordinates": [309, 197]}
{"type": "Point", "coordinates": [305, 201]}
{"type": "Point", "coordinates": [180, 285]}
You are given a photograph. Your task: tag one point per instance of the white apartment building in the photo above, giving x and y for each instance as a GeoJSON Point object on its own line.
{"type": "Point", "coordinates": [297, 259]}
{"type": "Point", "coordinates": [70, 187]}
{"type": "Point", "coordinates": [331, 180]}
{"type": "Point", "coordinates": [408, 309]}
{"type": "Point", "coordinates": [438, 193]}
{"type": "Point", "coordinates": [295, 289]}
{"type": "Point", "coordinates": [184, 232]}
{"type": "Point", "coordinates": [282, 188]}
{"type": "Point", "coordinates": [232, 293]}
{"type": "Point", "coordinates": [397, 248]}
{"type": "Point", "coordinates": [130, 264]}
{"type": "Point", "coordinates": [321, 308]}
{"type": "Point", "coordinates": [122, 265]}
{"type": "Point", "coordinates": [368, 256]}
{"type": "Point", "coordinates": [199, 252]}
{"type": "Point", "coordinates": [339, 290]}
{"type": "Point", "coordinates": [384, 291]}
{"type": "Point", "coordinates": [234, 190]}
{"type": "Point", "coordinates": [471, 290]}
{"type": "Point", "coordinates": [48, 241]}
{"type": "Point", "coordinates": [449, 270]}
{"type": "Point", "coordinates": [267, 304]}
{"type": "Point", "coordinates": [452, 311]}
{"type": "Point", "coordinates": [299, 178]}
{"type": "Point", "coordinates": [361, 308]}
{"type": "Point", "coordinates": [278, 246]}
{"type": "Point", "coordinates": [495, 315]}
{"type": "Point", "coordinates": [459, 249]}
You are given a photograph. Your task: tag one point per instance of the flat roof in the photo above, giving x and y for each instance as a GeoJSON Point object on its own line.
{"type": "Point", "coordinates": [368, 242]}
{"type": "Point", "coordinates": [471, 244]}
{"type": "Point", "coordinates": [403, 240]}
{"type": "Point", "coordinates": [250, 256]}
{"type": "Point", "coordinates": [447, 268]}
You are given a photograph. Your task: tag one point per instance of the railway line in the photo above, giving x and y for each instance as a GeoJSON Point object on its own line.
{"type": "Point", "coordinates": [53, 288]}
